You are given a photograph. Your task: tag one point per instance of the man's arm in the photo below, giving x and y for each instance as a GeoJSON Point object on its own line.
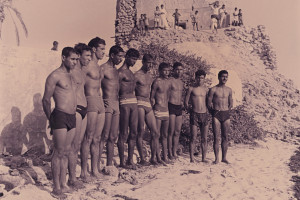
{"type": "Point", "coordinates": [187, 97]}
{"type": "Point", "coordinates": [230, 100]}
{"type": "Point", "coordinates": [49, 90]}
{"type": "Point", "coordinates": [210, 98]}
{"type": "Point", "coordinates": [153, 92]}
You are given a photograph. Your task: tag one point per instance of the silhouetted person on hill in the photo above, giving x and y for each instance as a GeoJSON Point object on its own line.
{"type": "Point", "coordinates": [13, 135]}
{"type": "Point", "coordinates": [55, 46]}
{"type": "Point", "coordinates": [235, 17]}
{"type": "Point", "coordinates": [219, 103]}
{"type": "Point", "coordinates": [35, 124]}
{"type": "Point", "coordinates": [240, 17]}
{"type": "Point", "coordinates": [176, 16]}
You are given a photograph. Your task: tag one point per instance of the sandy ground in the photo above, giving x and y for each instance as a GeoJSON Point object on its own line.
{"type": "Point", "coordinates": [259, 172]}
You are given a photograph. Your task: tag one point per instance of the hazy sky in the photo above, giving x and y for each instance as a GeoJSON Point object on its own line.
{"type": "Point", "coordinates": [72, 21]}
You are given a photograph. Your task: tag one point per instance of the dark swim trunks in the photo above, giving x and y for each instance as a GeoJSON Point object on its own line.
{"type": "Point", "coordinates": [144, 103]}
{"type": "Point", "coordinates": [175, 109]}
{"type": "Point", "coordinates": [61, 120]}
{"type": "Point", "coordinates": [222, 116]}
{"type": "Point", "coordinates": [81, 110]}
{"type": "Point", "coordinates": [198, 119]}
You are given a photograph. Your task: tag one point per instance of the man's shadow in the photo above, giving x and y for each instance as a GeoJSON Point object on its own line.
{"type": "Point", "coordinates": [13, 135]}
{"type": "Point", "coordinates": [35, 124]}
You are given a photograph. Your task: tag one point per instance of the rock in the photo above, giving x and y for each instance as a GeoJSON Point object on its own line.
{"type": "Point", "coordinates": [14, 172]}
{"type": "Point", "coordinates": [111, 171]}
{"type": "Point", "coordinates": [4, 170]}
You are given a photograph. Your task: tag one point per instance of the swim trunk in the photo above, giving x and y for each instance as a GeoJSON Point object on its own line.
{"type": "Point", "coordinates": [198, 119]}
{"type": "Point", "coordinates": [81, 110]}
{"type": "Point", "coordinates": [111, 106]}
{"type": "Point", "coordinates": [95, 104]}
{"type": "Point", "coordinates": [144, 103]}
{"type": "Point", "coordinates": [222, 116]}
{"type": "Point", "coordinates": [128, 103]}
{"type": "Point", "coordinates": [161, 113]}
{"type": "Point", "coordinates": [175, 109]}
{"type": "Point", "coordinates": [60, 120]}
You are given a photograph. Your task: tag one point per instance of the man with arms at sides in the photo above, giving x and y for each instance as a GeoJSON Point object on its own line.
{"type": "Point", "coordinates": [95, 110]}
{"type": "Point", "coordinates": [175, 110]}
{"type": "Point", "coordinates": [110, 88]}
{"type": "Point", "coordinates": [198, 113]}
{"type": "Point", "coordinates": [128, 108]}
{"type": "Point", "coordinates": [62, 120]}
{"type": "Point", "coordinates": [159, 98]}
{"type": "Point", "coordinates": [219, 103]}
{"type": "Point", "coordinates": [78, 75]}
{"type": "Point", "coordinates": [145, 113]}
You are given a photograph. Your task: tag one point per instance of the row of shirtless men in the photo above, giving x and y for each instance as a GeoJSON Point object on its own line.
{"type": "Point", "coordinates": [97, 105]}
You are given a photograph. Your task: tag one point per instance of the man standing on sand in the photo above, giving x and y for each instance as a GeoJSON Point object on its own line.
{"type": "Point", "coordinates": [78, 75]}
{"type": "Point", "coordinates": [95, 111]}
{"type": "Point", "coordinates": [219, 103]}
{"type": "Point", "coordinates": [62, 120]}
{"type": "Point", "coordinates": [175, 110]}
{"type": "Point", "coordinates": [145, 113]}
{"type": "Point", "coordinates": [110, 88]}
{"type": "Point", "coordinates": [159, 98]}
{"type": "Point", "coordinates": [198, 113]}
{"type": "Point", "coordinates": [128, 108]}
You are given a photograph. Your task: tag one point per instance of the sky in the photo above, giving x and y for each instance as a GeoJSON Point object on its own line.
{"type": "Point", "coordinates": [73, 21]}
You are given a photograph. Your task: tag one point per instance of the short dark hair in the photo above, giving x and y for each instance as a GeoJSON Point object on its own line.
{"type": "Point", "coordinates": [67, 51]}
{"type": "Point", "coordinates": [95, 42]}
{"type": "Point", "coordinates": [147, 57]}
{"type": "Point", "coordinates": [55, 42]}
{"type": "Point", "coordinates": [80, 47]}
{"type": "Point", "coordinates": [200, 72]}
{"type": "Point", "coordinates": [177, 64]}
{"type": "Point", "coordinates": [115, 50]}
{"type": "Point", "coordinates": [133, 53]}
{"type": "Point", "coordinates": [222, 72]}
{"type": "Point", "coordinates": [163, 65]}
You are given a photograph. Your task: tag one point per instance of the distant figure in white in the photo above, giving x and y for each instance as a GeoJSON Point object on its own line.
{"type": "Point", "coordinates": [163, 18]}
{"type": "Point", "coordinates": [156, 17]}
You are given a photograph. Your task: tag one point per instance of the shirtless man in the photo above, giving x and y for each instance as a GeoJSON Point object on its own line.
{"type": "Point", "coordinates": [175, 110]}
{"type": "Point", "coordinates": [78, 75]}
{"type": "Point", "coordinates": [219, 103]}
{"type": "Point", "coordinates": [128, 107]}
{"type": "Point", "coordinates": [145, 113]}
{"type": "Point", "coordinates": [62, 120]}
{"type": "Point", "coordinates": [110, 88]}
{"type": "Point", "coordinates": [198, 114]}
{"type": "Point", "coordinates": [95, 110]}
{"type": "Point", "coordinates": [159, 98]}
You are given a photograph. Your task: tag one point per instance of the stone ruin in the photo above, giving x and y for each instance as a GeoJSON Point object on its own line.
{"type": "Point", "coordinates": [129, 11]}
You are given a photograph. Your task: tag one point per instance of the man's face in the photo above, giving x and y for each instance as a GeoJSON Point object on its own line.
{"type": "Point", "coordinates": [130, 61]}
{"type": "Point", "coordinates": [70, 61]}
{"type": "Point", "coordinates": [178, 71]}
{"type": "Point", "coordinates": [200, 79]}
{"type": "Point", "coordinates": [85, 58]}
{"type": "Point", "coordinates": [99, 51]}
{"type": "Point", "coordinates": [148, 64]}
{"type": "Point", "coordinates": [223, 79]}
{"type": "Point", "coordinates": [165, 72]}
{"type": "Point", "coordinates": [117, 58]}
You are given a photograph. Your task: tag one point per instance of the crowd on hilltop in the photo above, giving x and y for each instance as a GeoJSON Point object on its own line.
{"type": "Point", "coordinates": [219, 18]}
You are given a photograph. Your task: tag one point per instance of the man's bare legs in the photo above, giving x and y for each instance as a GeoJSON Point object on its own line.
{"type": "Point", "coordinates": [204, 131]}
{"type": "Point", "coordinates": [216, 131]}
{"type": "Point", "coordinates": [109, 136]}
{"type": "Point", "coordinates": [127, 119]}
{"type": "Point", "coordinates": [192, 142]}
{"type": "Point", "coordinates": [80, 130]}
{"type": "Point", "coordinates": [225, 128]}
{"type": "Point", "coordinates": [59, 164]}
{"type": "Point", "coordinates": [175, 123]}
{"type": "Point", "coordinates": [163, 126]}
{"type": "Point", "coordinates": [91, 142]}
{"type": "Point", "coordinates": [151, 124]}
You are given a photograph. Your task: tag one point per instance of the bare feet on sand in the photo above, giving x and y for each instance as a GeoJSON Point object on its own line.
{"type": "Point", "coordinates": [225, 161]}
{"type": "Point", "coordinates": [58, 194]}
{"type": "Point", "coordinates": [76, 184]}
